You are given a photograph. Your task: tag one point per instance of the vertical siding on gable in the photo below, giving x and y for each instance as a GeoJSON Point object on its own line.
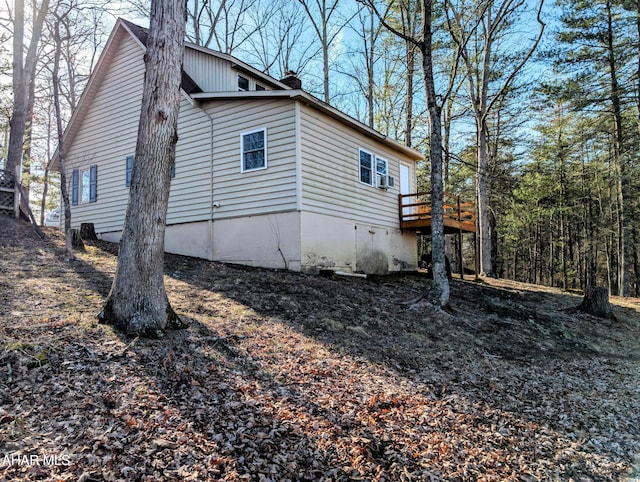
{"type": "Point", "coordinates": [211, 73]}
{"type": "Point", "coordinates": [261, 191]}
{"type": "Point", "coordinates": [330, 172]}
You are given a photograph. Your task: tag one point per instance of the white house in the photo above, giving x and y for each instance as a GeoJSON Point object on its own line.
{"type": "Point", "coordinates": [265, 174]}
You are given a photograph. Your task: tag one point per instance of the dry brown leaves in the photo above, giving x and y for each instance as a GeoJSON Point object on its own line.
{"type": "Point", "coordinates": [282, 377]}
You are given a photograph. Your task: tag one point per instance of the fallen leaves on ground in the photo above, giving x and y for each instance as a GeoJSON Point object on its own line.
{"type": "Point", "coordinates": [282, 376]}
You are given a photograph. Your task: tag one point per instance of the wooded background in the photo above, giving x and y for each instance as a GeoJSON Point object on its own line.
{"type": "Point", "coordinates": [560, 117]}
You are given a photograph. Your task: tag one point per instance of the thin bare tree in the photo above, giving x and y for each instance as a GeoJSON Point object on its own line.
{"type": "Point", "coordinates": [424, 42]}
{"type": "Point", "coordinates": [486, 21]}
{"type": "Point", "coordinates": [58, 34]}
{"type": "Point", "coordinates": [24, 67]}
{"type": "Point", "coordinates": [328, 22]}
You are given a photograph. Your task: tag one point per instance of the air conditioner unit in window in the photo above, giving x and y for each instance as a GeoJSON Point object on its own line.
{"type": "Point", "coordinates": [385, 182]}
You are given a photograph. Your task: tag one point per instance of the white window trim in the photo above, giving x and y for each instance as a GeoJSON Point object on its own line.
{"type": "Point", "coordinates": [253, 131]}
{"type": "Point", "coordinates": [386, 168]}
{"type": "Point", "coordinates": [373, 171]}
{"type": "Point", "coordinates": [386, 163]}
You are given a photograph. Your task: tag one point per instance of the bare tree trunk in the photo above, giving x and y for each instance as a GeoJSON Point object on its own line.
{"type": "Point", "coordinates": [19, 114]}
{"type": "Point", "coordinates": [138, 302]}
{"type": "Point", "coordinates": [486, 267]}
{"type": "Point", "coordinates": [439, 292]}
{"type": "Point", "coordinates": [408, 102]}
{"type": "Point", "coordinates": [408, 13]}
{"type": "Point", "coordinates": [618, 151]}
{"type": "Point", "coordinates": [493, 17]}
{"type": "Point", "coordinates": [23, 72]}
{"type": "Point", "coordinates": [68, 235]}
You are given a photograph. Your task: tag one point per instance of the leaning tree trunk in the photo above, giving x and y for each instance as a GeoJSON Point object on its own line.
{"type": "Point", "coordinates": [138, 302]}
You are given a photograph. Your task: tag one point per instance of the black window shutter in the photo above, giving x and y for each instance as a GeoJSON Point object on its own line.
{"type": "Point", "coordinates": [75, 179]}
{"type": "Point", "coordinates": [129, 170]}
{"type": "Point", "coordinates": [93, 183]}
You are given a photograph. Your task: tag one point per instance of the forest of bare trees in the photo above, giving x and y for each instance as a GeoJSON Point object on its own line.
{"type": "Point", "coordinates": [539, 105]}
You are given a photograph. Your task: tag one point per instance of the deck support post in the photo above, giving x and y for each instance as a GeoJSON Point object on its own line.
{"type": "Point", "coordinates": [476, 249]}
{"type": "Point", "coordinates": [460, 254]}
{"type": "Point", "coordinates": [460, 240]}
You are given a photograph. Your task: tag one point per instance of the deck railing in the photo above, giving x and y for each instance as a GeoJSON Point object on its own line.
{"type": "Point", "coordinates": [415, 210]}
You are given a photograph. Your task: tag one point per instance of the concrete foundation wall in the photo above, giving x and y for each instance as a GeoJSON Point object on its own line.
{"type": "Point", "coordinates": [268, 241]}
{"type": "Point", "coordinates": [188, 239]}
{"type": "Point", "coordinates": [339, 244]}
{"type": "Point", "coordinates": [307, 242]}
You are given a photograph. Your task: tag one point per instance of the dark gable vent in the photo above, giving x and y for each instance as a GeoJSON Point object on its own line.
{"type": "Point", "coordinates": [291, 79]}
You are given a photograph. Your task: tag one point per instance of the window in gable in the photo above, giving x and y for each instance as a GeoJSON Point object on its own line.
{"type": "Point", "coordinates": [243, 83]}
{"type": "Point", "coordinates": [366, 167]}
{"type": "Point", "coordinates": [253, 148]}
{"type": "Point", "coordinates": [260, 87]}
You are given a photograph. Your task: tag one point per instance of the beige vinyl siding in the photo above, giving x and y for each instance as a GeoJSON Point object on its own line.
{"type": "Point", "coordinates": [107, 136]}
{"type": "Point", "coordinates": [331, 177]}
{"type": "Point", "coordinates": [261, 191]}
{"type": "Point", "coordinates": [190, 197]}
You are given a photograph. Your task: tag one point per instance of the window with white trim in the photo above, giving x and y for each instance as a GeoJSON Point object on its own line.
{"type": "Point", "coordinates": [253, 149]}
{"type": "Point", "coordinates": [366, 167]}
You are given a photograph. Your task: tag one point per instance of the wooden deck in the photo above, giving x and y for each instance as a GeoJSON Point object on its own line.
{"type": "Point", "coordinates": [415, 213]}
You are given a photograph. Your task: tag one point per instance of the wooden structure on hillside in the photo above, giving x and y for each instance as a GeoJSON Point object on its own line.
{"type": "Point", "coordinates": [7, 193]}
{"type": "Point", "coordinates": [459, 217]}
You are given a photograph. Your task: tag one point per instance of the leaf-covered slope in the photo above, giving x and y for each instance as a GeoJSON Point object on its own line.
{"type": "Point", "coordinates": [282, 376]}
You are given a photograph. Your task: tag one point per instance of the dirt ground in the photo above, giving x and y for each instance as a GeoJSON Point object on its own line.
{"type": "Point", "coordinates": [282, 376]}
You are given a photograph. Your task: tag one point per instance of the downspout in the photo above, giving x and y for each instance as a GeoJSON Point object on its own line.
{"type": "Point", "coordinates": [298, 150]}
{"type": "Point", "coordinates": [211, 203]}
{"type": "Point", "coordinates": [298, 154]}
